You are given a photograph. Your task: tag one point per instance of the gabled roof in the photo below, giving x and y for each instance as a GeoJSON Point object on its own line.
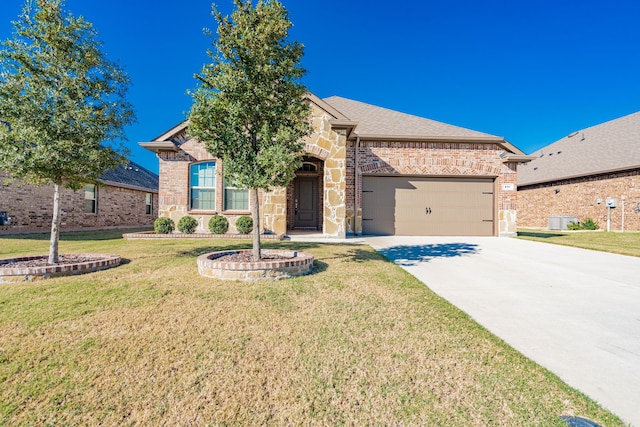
{"type": "Point", "coordinates": [378, 121]}
{"type": "Point", "coordinates": [370, 122]}
{"type": "Point", "coordinates": [132, 176]}
{"type": "Point", "coordinates": [608, 147]}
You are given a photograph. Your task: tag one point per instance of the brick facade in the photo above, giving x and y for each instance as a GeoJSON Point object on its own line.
{"type": "Point", "coordinates": [583, 198]}
{"type": "Point", "coordinates": [173, 186]}
{"type": "Point", "coordinates": [341, 162]}
{"type": "Point", "coordinates": [31, 208]}
{"type": "Point", "coordinates": [442, 159]}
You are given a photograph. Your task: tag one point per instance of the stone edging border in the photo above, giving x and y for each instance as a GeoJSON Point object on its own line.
{"type": "Point", "coordinates": [153, 235]}
{"type": "Point", "coordinates": [33, 273]}
{"type": "Point", "coordinates": [276, 269]}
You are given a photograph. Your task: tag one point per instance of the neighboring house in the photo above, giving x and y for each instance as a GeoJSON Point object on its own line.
{"type": "Point", "coordinates": [366, 170]}
{"type": "Point", "coordinates": [127, 198]}
{"type": "Point", "coordinates": [583, 175]}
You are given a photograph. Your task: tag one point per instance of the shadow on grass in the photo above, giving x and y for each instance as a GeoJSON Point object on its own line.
{"type": "Point", "coordinates": [196, 252]}
{"type": "Point", "coordinates": [539, 234]}
{"type": "Point", "coordinates": [352, 254]}
{"type": "Point", "coordinates": [319, 267]}
{"type": "Point", "coordinates": [74, 236]}
{"type": "Point", "coordinates": [413, 255]}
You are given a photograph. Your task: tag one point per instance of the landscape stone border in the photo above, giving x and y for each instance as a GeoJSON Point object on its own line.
{"type": "Point", "coordinates": [298, 264]}
{"type": "Point", "coordinates": [22, 274]}
{"type": "Point", "coordinates": [154, 235]}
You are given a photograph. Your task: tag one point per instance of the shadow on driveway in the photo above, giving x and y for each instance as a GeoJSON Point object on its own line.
{"type": "Point", "coordinates": [408, 255]}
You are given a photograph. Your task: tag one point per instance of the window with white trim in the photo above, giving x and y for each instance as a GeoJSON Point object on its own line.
{"type": "Point", "coordinates": [203, 186]}
{"type": "Point", "coordinates": [236, 199]}
{"type": "Point", "coordinates": [148, 203]}
{"type": "Point", "coordinates": [90, 198]}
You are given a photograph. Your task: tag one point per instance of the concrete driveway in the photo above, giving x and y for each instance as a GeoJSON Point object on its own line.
{"type": "Point", "coordinates": [574, 311]}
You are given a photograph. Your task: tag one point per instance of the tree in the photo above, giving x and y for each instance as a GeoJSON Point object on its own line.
{"type": "Point", "coordinates": [60, 100]}
{"type": "Point", "coordinates": [249, 109]}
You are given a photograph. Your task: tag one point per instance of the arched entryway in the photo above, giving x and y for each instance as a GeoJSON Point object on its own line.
{"type": "Point", "coordinates": [305, 196]}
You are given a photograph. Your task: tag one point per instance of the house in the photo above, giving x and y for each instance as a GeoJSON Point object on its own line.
{"type": "Point", "coordinates": [365, 170]}
{"type": "Point", "coordinates": [128, 197]}
{"type": "Point", "coordinates": [591, 173]}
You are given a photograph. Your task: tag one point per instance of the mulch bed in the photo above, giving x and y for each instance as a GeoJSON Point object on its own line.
{"type": "Point", "coordinates": [248, 257]}
{"type": "Point", "coordinates": [42, 262]}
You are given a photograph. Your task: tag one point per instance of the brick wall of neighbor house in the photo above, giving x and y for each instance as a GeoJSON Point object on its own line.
{"type": "Point", "coordinates": [442, 159]}
{"type": "Point", "coordinates": [30, 208]}
{"type": "Point", "coordinates": [579, 197]}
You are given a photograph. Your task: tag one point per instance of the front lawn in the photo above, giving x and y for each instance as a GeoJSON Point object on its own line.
{"type": "Point", "coordinates": [618, 243]}
{"type": "Point", "coordinates": [360, 342]}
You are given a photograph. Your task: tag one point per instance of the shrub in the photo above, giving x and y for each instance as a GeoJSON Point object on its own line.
{"type": "Point", "coordinates": [586, 224]}
{"type": "Point", "coordinates": [164, 226]}
{"type": "Point", "coordinates": [187, 224]}
{"type": "Point", "coordinates": [589, 224]}
{"type": "Point", "coordinates": [218, 224]}
{"type": "Point", "coordinates": [244, 224]}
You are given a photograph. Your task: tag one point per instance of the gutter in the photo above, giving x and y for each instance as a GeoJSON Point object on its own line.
{"type": "Point", "coordinates": [128, 186]}
{"type": "Point", "coordinates": [158, 146]}
{"type": "Point", "coordinates": [582, 175]}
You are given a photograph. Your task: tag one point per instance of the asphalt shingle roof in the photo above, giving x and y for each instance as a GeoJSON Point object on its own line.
{"type": "Point", "coordinates": [374, 120]}
{"type": "Point", "coordinates": [607, 147]}
{"type": "Point", "coordinates": [132, 175]}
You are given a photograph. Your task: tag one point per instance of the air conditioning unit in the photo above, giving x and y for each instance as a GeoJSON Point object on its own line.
{"type": "Point", "coordinates": [560, 222]}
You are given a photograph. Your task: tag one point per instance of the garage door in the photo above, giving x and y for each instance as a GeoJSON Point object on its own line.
{"type": "Point", "coordinates": [406, 206]}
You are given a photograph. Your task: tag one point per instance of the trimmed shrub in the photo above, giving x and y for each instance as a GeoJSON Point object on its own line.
{"type": "Point", "coordinates": [244, 224]}
{"type": "Point", "coordinates": [590, 224]}
{"type": "Point", "coordinates": [218, 224]}
{"type": "Point", "coordinates": [586, 224]}
{"type": "Point", "coordinates": [164, 226]}
{"type": "Point", "coordinates": [187, 224]}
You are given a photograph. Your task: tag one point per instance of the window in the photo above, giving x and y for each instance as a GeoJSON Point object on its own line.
{"type": "Point", "coordinates": [90, 198]}
{"type": "Point", "coordinates": [236, 199]}
{"type": "Point", "coordinates": [203, 186]}
{"type": "Point", "coordinates": [308, 167]}
{"type": "Point", "coordinates": [149, 203]}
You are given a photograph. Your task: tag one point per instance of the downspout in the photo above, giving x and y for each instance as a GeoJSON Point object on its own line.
{"type": "Point", "coordinates": [356, 191]}
{"type": "Point", "coordinates": [622, 199]}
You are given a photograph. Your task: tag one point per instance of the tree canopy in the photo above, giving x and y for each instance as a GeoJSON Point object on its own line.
{"type": "Point", "coordinates": [60, 99]}
{"type": "Point", "coordinates": [249, 109]}
{"type": "Point", "coordinates": [63, 104]}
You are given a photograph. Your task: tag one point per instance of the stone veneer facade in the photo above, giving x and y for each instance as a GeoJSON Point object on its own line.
{"type": "Point", "coordinates": [341, 162]}
{"type": "Point", "coordinates": [578, 197]}
{"type": "Point", "coordinates": [31, 208]}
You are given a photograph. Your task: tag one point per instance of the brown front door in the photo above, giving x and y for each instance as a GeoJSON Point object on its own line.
{"type": "Point", "coordinates": [306, 203]}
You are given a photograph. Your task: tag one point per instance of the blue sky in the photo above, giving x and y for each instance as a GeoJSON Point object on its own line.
{"type": "Point", "coordinates": [531, 72]}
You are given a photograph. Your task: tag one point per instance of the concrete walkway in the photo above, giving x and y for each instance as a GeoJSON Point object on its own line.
{"type": "Point", "coordinates": [574, 311]}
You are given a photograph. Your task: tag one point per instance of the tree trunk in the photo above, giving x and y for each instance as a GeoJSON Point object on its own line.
{"type": "Point", "coordinates": [55, 226]}
{"type": "Point", "coordinates": [255, 215]}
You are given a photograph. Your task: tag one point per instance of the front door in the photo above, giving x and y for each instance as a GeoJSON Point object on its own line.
{"type": "Point", "coordinates": [305, 203]}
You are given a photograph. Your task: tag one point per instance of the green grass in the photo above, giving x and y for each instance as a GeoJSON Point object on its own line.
{"type": "Point", "coordinates": [359, 342]}
{"type": "Point", "coordinates": [619, 243]}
